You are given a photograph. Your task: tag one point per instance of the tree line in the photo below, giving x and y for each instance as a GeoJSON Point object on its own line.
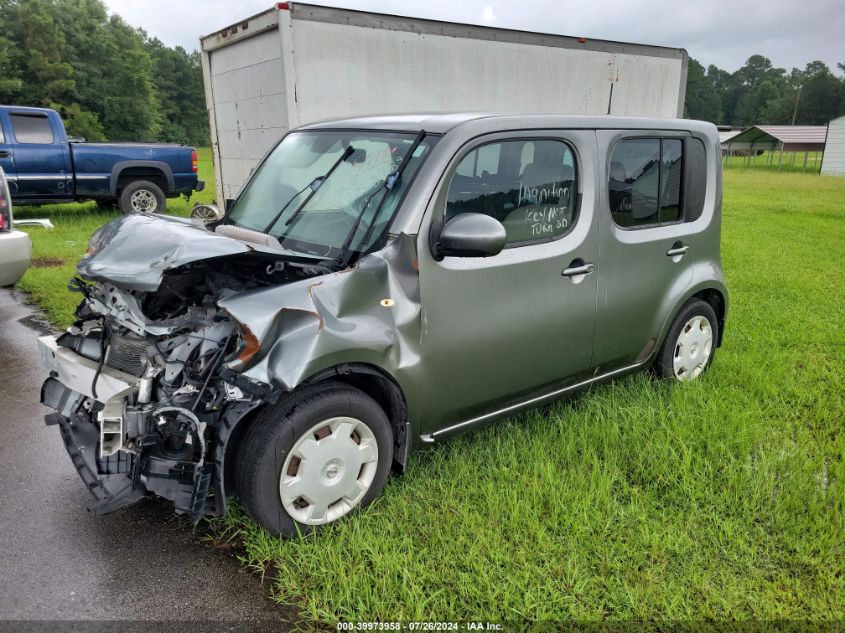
{"type": "Point", "coordinates": [109, 81]}
{"type": "Point", "coordinates": [112, 81]}
{"type": "Point", "coordinates": [759, 94]}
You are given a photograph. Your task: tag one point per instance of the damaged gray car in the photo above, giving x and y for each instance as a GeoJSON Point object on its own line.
{"type": "Point", "coordinates": [381, 284]}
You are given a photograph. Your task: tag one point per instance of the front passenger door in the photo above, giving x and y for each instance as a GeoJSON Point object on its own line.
{"type": "Point", "coordinates": [502, 329]}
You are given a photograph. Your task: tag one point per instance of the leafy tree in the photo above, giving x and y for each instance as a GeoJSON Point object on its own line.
{"type": "Point", "coordinates": [80, 123]}
{"type": "Point", "coordinates": [178, 81]}
{"type": "Point", "coordinates": [10, 80]}
{"type": "Point", "coordinates": [36, 52]}
{"type": "Point", "coordinates": [822, 95]}
{"type": "Point", "coordinates": [101, 73]}
{"type": "Point", "coordinates": [702, 101]}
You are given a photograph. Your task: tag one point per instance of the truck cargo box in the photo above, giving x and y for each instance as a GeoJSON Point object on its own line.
{"type": "Point", "coordinates": [298, 63]}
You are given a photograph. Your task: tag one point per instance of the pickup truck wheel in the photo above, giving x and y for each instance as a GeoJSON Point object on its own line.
{"type": "Point", "coordinates": [321, 454]}
{"type": "Point", "coordinates": [690, 344]}
{"type": "Point", "coordinates": [142, 196]}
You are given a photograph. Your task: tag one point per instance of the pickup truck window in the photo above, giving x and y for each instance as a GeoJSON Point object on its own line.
{"type": "Point", "coordinates": [32, 128]}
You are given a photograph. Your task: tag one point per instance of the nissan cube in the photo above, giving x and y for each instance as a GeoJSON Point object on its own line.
{"type": "Point", "coordinates": [379, 285]}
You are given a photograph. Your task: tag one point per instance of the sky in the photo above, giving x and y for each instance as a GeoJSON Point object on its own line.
{"type": "Point", "coordinates": [721, 32]}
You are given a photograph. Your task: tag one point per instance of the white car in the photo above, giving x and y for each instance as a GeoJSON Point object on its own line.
{"type": "Point", "coordinates": [15, 246]}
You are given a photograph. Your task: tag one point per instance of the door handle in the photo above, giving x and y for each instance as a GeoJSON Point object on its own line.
{"type": "Point", "coordinates": [5, 154]}
{"type": "Point", "coordinates": [580, 269]}
{"type": "Point", "coordinates": [677, 250]}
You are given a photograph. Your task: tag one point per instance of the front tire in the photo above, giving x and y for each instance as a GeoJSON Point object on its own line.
{"type": "Point", "coordinates": [313, 459]}
{"type": "Point", "coordinates": [142, 196]}
{"type": "Point", "coordinates": [690, 344]}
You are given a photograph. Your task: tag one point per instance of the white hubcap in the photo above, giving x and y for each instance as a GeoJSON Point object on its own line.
{"type": "Point", "coordinates": [143, 201]}
{"type": "Point", "coordinates": [692, 350]}
{"type": "Point", "coordinates": [328, 471]}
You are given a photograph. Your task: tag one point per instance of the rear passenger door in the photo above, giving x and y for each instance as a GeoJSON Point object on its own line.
{"type": "Point", "coordinates": [645, 241]}
{"type": "Point", "coordinates": [41, 159]}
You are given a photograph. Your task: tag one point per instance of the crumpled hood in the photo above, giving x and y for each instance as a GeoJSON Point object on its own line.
{"type": "Point", "coordinates": [134, 251]}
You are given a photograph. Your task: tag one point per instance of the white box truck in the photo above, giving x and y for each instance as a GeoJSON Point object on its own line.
{"type": "Point", "coordinates": [298, 63]}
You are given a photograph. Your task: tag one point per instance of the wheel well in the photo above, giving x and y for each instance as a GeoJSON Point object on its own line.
{"type": "Point", "coordinates": [368, 379]}
{"type": "Point", "coordinates": [152, 174]}
{"type": "Point", "coordinates": [717, 302]}
{"type": "Point", "coordinates": [384, 390]}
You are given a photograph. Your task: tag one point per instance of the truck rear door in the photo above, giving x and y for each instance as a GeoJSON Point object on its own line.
{"type": "Point", "coordinates": [7, 161]}
{"type": "Point", "coordinates": [42, 159]}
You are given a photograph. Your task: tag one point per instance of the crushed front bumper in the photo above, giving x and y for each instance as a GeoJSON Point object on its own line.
{"type": "Point", "coordinates": [100, 428]}
{"type": "Point", "coordinates": [77, 372]}
{"type": "Point", "coordinates": [71, 381]}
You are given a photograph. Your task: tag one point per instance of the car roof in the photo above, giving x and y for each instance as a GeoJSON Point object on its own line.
{"type": "Point", "coordinates": [444, 122]}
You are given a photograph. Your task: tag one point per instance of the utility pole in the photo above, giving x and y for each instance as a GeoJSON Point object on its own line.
{"type": "Point", "coordinates": [795, 111]}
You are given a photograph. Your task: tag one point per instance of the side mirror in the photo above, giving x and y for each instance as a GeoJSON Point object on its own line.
{"type": "Point", "coordinates": [471, 235]}
{"type": "Point", "coordinates": [208, 213]}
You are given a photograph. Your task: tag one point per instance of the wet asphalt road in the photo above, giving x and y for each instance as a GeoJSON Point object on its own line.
{"type": "Point", "coordinates": [59, 562]}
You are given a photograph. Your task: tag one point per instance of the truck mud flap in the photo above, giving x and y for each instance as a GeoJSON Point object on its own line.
{"type": "Point", "coordinates": [111, 492]}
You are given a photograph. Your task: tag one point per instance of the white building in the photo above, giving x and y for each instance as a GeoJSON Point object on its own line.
{"type": "Point", "coordinates": [833, 161]}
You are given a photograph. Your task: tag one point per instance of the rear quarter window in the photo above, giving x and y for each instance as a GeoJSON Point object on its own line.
{"type": "Point", "coordinates": [695, 181]}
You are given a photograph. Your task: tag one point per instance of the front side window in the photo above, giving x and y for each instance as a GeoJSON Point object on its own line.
{"type": "Point", "coordinates": [528, 185]}
{"type": "Point", "coordinates": [322, 192]}
{"type": "Point", "coordinates": [32, 128]}
{"type": "Point", "coordinates": [646, 182]}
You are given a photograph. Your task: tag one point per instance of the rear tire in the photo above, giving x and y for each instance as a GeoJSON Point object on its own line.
{"type": "Point", "coordinates": [690, 345]}
{"type": "Point", "coordinates": [142, 196]}
{"type": "Point", "coordinates": [317, 456]}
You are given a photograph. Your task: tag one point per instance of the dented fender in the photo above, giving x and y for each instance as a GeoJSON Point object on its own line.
{"type": "Point", "coordinates": [368, 313]}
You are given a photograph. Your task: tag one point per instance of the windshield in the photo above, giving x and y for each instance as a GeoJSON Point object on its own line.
{"type": "Point", "coordinates": [312, 188]}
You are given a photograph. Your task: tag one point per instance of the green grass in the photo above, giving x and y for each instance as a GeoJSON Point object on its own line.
{"type": "Point", "coordinates": [636, 500]}
{"type": "Point", "coordinates": [55, 252]}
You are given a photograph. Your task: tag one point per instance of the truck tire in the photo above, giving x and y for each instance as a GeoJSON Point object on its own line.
{"type": "Point", "coordinates": [313, 458]}
{"type": "Point", "coordinates": [142, 196]}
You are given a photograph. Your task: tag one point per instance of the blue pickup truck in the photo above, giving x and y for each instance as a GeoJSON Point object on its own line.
{"type": "Point", "coordinates": [43, 165]}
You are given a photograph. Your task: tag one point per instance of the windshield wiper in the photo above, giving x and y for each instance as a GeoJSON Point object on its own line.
{"type": "Point", "coordinates": [314, 185]}
{"type": "Point", "coordinates": [390, 181]}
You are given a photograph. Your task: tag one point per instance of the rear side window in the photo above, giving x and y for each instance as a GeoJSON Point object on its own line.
{"type": "Point", "coordinates": [31, 128]}
{"type": "Point", "coordinates": [646, 182]}
{"type": "Point", "coordinates": [528, 185]}
{"type": "Point", "coordinates": [695, 179]}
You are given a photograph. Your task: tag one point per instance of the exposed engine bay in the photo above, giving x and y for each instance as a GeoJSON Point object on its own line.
{"type": "Point", "coordinates": [145, 383]}
{"type": "Point", "coordinates": [185, 335]}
